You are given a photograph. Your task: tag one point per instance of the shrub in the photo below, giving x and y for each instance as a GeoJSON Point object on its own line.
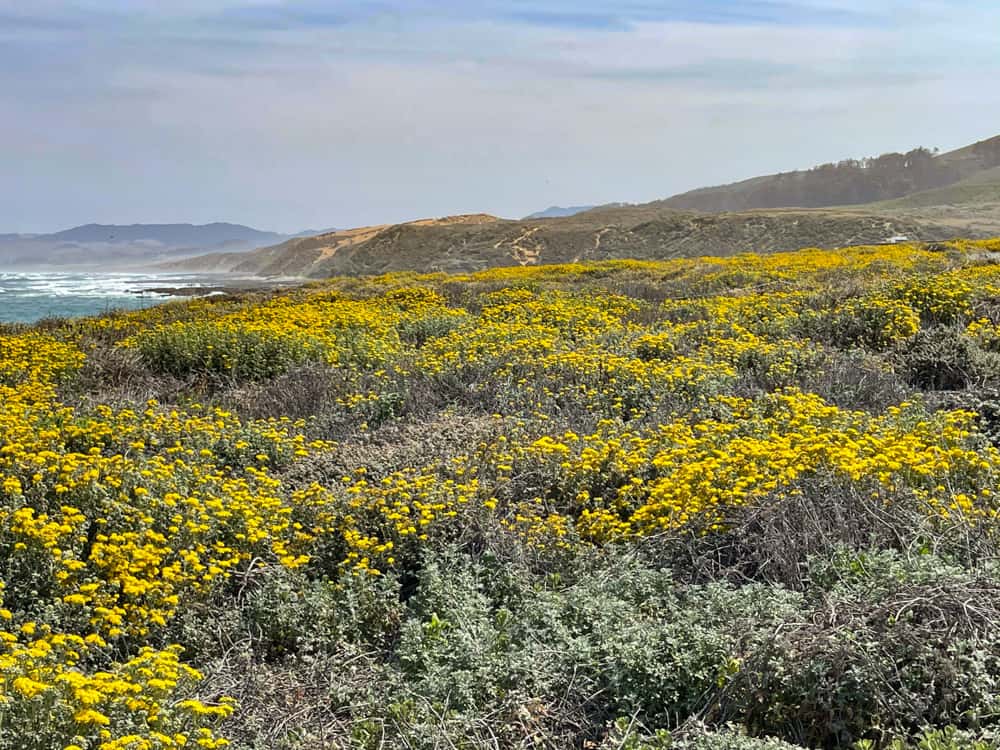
{"type": "Point", "coordinates": [943, 358]}
{"type": "Point", "coordinates": [855, 379]}
{"type": "Point", "coordinates": [184, 349]}
{"type": "Point", "coordinates": [944, 299]}
{"type": "Point", "coordinates": [419, 330]}
{"type": "Point", "coordinates": [891, 645]}
{"type": "Point", "coordinates": [485, 635]}
{"type": "Point", "coordinates": [625, 736]}
{"type": "Point", "coordinates": [938, 739]}
{"type": "Point", "coordinates": [874, 322]}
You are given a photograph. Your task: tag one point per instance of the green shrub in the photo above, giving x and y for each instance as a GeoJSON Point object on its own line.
{"type": "Point", "coordinates": [944, 358]}
{"type": "Point", "coordinates": [486, 635]}
{"type": "Point", "coordinates": [726, 739]}
{"type": "Point", "coordinates": [624, 735]}
{"type": "Point", "coordinates": [207, 348]}
{"type": "Point", "coordinates": [434, 323]}
{"type": "Point", "coordinates": [891, 643]}
{"type": "Point", "coordinates": [943, 299]}
{"type": "Point", "coordinates": [872, 322]}
{"type": "Point", "coordinates": [943, 739]}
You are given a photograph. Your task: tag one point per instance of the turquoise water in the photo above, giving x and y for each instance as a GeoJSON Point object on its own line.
{"type": "Point", "coordinates": [27, 297]}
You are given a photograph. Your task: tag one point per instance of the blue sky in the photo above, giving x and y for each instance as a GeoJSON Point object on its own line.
{"type": "Point", "coordinates": [303, 113]}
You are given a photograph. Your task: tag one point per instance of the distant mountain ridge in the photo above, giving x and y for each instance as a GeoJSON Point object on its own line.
{"type": "Point", "coordinates": [127, 246]}
{"type": "Point", "coordinates": [172, 235]}
{"type": "Point", "coordinates": [562, 212]}
{"type": "Point", "coordinates": [557, 212]}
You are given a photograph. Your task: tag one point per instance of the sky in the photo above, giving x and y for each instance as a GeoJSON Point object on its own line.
{"type": "Point", "coordinates": [296, 114]}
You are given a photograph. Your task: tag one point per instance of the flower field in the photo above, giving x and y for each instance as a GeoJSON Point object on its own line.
{"type": "Point", "coordinates": [713, 503]}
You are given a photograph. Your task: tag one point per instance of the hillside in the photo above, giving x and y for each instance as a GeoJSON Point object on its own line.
{"type": "Point", "coordinates": [918, 195]}
{"type": "Point", "coordinates": [969, 207]}
{"type": "Point", "coordinates": [473, 243]}
{"type": "Point", "coordinates": [981, 189]}
{"type": "Point", "coordinates": [849, 182]}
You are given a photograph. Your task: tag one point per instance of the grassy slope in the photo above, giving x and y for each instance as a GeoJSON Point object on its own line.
{"type": "Point", "coordinates": [970, 207]}
{"type": "Point", "coordinates": [983, 188]}
{"type": "Point", "coordinates": [808, 188]}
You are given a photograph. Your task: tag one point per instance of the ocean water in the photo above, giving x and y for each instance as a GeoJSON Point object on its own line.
{"type": "Point", "coordinates": [27, 297]}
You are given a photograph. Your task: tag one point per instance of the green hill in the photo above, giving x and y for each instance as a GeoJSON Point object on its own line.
{"type": "Point", "coordinates": [981, 188]}
{"type": "Point", "coordinates": [848, 182]}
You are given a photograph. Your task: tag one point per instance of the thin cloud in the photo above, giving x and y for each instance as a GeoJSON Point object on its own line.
{"type": "Point", "coordinates": [573, 14]}
{"type": "Point", "coordinates": [285, 115]}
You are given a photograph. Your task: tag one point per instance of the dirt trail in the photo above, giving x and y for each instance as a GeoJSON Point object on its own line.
{"type": "Point", "coordinates": [521, 253]}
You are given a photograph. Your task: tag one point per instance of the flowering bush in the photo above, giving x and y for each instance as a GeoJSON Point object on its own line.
{"type": "Point", "coordinates": [548, 421]}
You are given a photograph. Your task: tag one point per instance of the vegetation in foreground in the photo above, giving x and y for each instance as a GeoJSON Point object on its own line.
{"type": "Point", "coordinates": [744, 503]}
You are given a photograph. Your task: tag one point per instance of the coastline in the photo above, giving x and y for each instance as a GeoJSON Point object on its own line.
{"type": "Point", "coordinates": [216, 285]}
{"type": "Point", "coordinates": [28, 296]}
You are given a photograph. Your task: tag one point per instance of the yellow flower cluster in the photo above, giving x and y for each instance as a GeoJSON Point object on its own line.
{"type": "Point", "coordinates": [265, 340]}
{"type": "Point", "coordinates": [942, 298]}
{"type": "Point", "coordinates": [36, 359]}
{"type": "Point", "coordinates": [629, 398]}
{"type": "Point", "coordinates": [984, 332]}
{"type": "Point", "coordinates": [48, 692]}
{"type": "Point", "coordinates": [629, 484]}
{"type": "Point", "coordinates": [109, 522]}
{"type": "Point", "coordinates": [126, 512]}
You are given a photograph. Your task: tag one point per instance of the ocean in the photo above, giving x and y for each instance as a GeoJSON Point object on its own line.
{"type": "Point", "coordinates": [27, 297]}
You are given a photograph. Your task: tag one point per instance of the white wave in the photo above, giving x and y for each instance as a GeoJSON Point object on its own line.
{"type": "Point", "coordinates": [29, 296]}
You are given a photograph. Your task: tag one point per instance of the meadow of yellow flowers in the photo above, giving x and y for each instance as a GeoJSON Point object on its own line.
{"type": "Point", "coordinates": [161, 471]}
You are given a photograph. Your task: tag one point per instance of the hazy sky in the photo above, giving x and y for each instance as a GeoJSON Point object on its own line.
{"type": "Point", "coordinates": [295, 114]}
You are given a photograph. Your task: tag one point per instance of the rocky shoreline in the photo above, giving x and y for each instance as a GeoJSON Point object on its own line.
{"type": "Point", "coordinates": [238, 287]}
